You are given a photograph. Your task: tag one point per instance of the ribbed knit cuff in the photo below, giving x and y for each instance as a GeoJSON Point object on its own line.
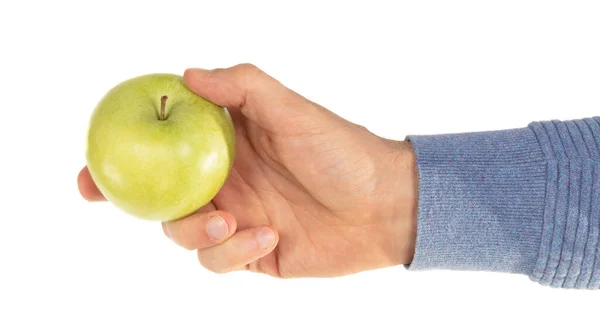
{"type": "Point", "coordinates": [570, 250]}
{"type": "Point", "coordinates": [523, 201]}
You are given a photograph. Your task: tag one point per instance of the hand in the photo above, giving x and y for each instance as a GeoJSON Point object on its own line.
{"type": "Point", "coordinates": [310, 194]}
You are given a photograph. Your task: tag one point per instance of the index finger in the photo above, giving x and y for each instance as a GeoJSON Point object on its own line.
{"type": "Point", "coordinates": [88, 189]}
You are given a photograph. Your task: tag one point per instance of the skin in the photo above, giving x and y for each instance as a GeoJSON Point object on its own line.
{"type": "Point", "coordinates": [310, 194]}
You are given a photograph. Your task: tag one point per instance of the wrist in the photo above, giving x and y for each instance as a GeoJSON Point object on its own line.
{"type": "Point", "coordinates": [401, 177]}
{"type": "Point", "coordinates": [408, 200]}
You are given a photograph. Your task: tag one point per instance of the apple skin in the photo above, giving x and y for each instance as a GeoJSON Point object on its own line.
{"type": "Point", "coordinates": [153, 169]}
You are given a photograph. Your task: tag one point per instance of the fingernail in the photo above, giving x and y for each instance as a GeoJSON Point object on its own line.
{"type": "Point", "coordinates": [217, 228]}
{"type": "Point", "coordinates": [265, 238]}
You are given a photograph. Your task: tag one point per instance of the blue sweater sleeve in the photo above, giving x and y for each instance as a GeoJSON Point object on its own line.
{"type": "Point", "coordinates": [523, 201]}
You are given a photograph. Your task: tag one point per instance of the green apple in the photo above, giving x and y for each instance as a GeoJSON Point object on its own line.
{"type": "Point", "coordinates": [158, 151]}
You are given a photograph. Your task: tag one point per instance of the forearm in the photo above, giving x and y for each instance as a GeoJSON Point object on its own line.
{"type": "Point", "coordinates": [523, 201]}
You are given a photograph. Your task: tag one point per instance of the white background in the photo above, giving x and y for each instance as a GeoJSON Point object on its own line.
{"type": "Point", "coordinates": [414, 67]}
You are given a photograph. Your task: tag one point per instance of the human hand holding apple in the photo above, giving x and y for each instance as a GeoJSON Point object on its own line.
{"type": "Point", "coordinates": [309, 193]}
{"type": "Point", "coordinates": [158, 151]}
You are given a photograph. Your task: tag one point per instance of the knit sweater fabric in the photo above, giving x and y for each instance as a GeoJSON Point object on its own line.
{"type": "Point", "coordinates": [523, 201]}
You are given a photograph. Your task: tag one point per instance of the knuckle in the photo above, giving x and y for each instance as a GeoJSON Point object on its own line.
{"type": "Point", "coordinates": [248, 69]}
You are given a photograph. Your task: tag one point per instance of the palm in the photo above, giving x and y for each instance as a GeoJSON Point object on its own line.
{"type": "Point", "coordinates": [317, 206]}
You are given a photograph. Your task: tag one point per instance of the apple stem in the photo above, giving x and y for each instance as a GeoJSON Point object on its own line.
{"type": "Point", "coordinates": [163, 104]}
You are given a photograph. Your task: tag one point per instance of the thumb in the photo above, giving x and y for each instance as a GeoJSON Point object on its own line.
{"type": "Point", "coordinates": [260, 98]}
